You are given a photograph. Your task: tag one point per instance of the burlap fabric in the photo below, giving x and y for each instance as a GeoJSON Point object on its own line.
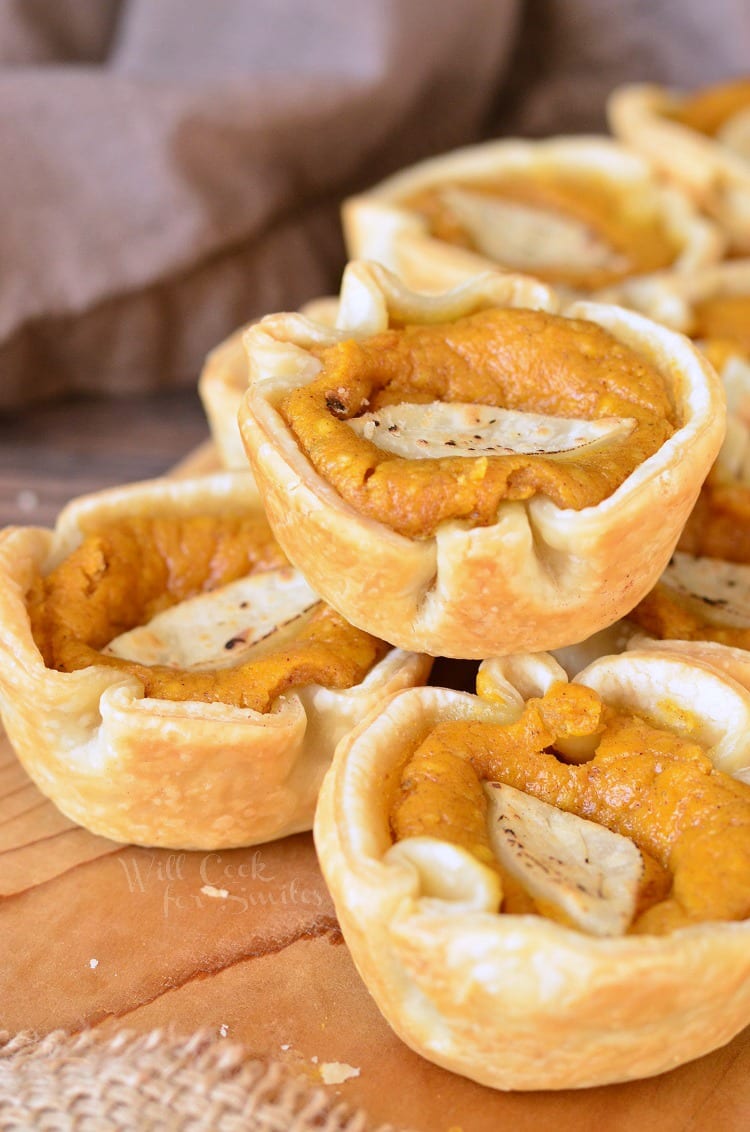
{"type": "Point", "coordinates": [158, 1083]}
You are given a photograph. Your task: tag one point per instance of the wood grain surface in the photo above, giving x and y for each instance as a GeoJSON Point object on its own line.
{"type": "Point", "coordinates": [94, 934]}
{"type": "Point", "coordinates": [56, 452]}
{"type": "Point", "coordinates": [116, 937]}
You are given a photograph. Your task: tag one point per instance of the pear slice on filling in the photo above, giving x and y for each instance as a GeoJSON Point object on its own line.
{"type": "Point", "coordinates": [217, 629]}
{"type": "Point", "coordinates": [720, 590]}
{"type": "Point", "coordinates": [575, 870]}
{"type": "Point", "coordinates": [524, 236]}
{"type": "Point", "coordinates": [455, 428]}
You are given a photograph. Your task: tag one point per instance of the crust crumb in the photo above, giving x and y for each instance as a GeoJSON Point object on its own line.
{"type": "Point", "coordinates": [336, 1072]}
{"type": "Point", "coordinates": [216, 893]}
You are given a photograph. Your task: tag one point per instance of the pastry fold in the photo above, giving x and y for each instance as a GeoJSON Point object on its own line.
{"type": "Point", "coordinates": [153, 770]}
{"type": "Point", "coordinates": [539, 575]}
{"type": "Point", "coordinates": [223, 381]}
{"type": "Point", "coordinates": [712, 306]}
{"type": "Point", "coordinates": [712, 167]}
{"type": "Point", "coordinates": [519, 1001]}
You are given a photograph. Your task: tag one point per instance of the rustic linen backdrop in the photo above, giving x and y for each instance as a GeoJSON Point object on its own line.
{"type": "Point", "coordinates": [171, 170]}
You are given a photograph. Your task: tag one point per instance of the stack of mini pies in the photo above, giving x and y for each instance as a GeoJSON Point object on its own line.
{"type": "Point", "coordinates": [505, 441]}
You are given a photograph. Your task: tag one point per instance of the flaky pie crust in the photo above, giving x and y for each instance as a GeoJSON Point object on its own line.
{"type": "Point", "coordinates": [717, 179]}
{"type": "Point", "coordinates": [183, 775]}
{"type": "Point", "coordinates": [515, 1001]}
{"type": "Point", "coordinates": [223, 381]}
{"type": "Point", "coordinates": [673, 298]}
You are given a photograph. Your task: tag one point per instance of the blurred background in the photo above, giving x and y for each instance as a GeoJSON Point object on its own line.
{"type": "Point", "coordinates": [171, 170]}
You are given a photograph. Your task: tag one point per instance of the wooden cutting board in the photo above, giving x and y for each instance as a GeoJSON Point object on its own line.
{"type": "Point", "coordinates": [245, 943]}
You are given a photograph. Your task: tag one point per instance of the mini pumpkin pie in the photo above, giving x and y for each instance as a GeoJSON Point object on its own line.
{"type": "Point", "coordinates": [700, 141]}
{"type": "Point", "coordinates": [714, 309]}
{"type": "Point", "coordinates": [167, 678]}
{"type": "Point", "coordinates": [712, 306]}
{"type": "Point", "coordinates": [718, 312]}
{"type": "Point", "coordinates": [703, 595]}
{"type": "Point", "coordinates": [580, 213]}
{"type": "Point", "coordinates": [223, 381]}
{"type": "Point", "coordinates": [477, 472]}
{"type": "Point", "coordinates": [547, 886]}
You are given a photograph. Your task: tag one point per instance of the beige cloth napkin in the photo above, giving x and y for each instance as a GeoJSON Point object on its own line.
{"type": "Point", "coordinates": [171, 170]}
{"type": "Point", "coordinates": [571, 53]}
{"type": "Point", "coordinates": [158, 1083]}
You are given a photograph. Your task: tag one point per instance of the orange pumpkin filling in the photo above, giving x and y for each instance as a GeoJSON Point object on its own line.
{"type": "Point", "coordinates": [722, 323]}
{"type": "Point", "coordinates": [690, 821]}
{"type": "Point", "coordinates": [515, 359]}
{"type": "Point", "coordinates": [719, 524]}
{"type": "Point", "coordinates": [671, 615]}
{"type": "Point", "coordinates": [707, 110]}
{"type": "Point", "coordinates": [124, 573]}
{"type": "Point", "coordinates": [621, 218]}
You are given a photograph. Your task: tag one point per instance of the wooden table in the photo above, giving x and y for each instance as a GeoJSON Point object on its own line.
{"type": "Point", "coordinates": [51, 454]}
{"type": "Point", "coordinates": [93, 934]}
